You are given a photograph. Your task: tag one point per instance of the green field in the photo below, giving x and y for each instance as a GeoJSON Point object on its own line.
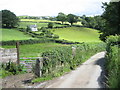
{"type": "Point", "coordinates": [38, 20]}
{"type": "Point", "coordinates": [13, 34]}
{"type": "Point", "coordinates": [39, 25]}
{"type": "Point", "coordinates": [34, 50]}
{"type": "Point", "coordinates": [79, 34]}
{"type": "Point", "coordinates": [42, 21]}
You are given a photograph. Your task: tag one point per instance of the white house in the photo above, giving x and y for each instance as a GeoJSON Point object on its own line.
{"type": "Point", "coordinates": [33, 27]}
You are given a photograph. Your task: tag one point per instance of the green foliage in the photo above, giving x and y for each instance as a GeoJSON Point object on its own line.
{"type": "Point", "coordinates": [61, 17]}
{"type": "Point", "coordinates": [28, 29]}
{"type": "Point", "coordinates": [96, 22]}
{"type": "Point", "coordinates": [43, 33]}
{"type": "Point", "coordinates": [29, 41]}
{"type": "Point", "coordinates": [9, 19]}
{"type": "Point", "coordinates": [55, 60]}
{"type": "Point", "coordinates": [113, 40]}
{"type": "Point", "coordinates": [66, 41]}
{"type": "Point", "coordinates": [11, 68]}
{"type": "Point", "coordinates": [50, 25]}
{"type": "Point", "coordinates": [113, 61]}
{"type": "Point", "coordinates": [71, 18]}
{"type": "Point", "coordinates": [112, 19]}
{"type": "Point", "coordinates": [60, 60]}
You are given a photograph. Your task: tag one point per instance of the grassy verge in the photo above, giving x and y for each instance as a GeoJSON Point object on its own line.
{"type": "Point", "coordinates": [50, 77]}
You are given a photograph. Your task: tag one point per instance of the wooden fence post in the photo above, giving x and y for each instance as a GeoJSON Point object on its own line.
{"type": "Point", "coordinates": [18, 59]}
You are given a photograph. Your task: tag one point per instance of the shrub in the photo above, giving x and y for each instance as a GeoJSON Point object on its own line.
{"type": "Point", "coordinates": [66, 42]}
{"type": "Point", "coordinates": [28, 29]}
{"type": "Point", "coordinates": [113, 40]}
{"type": "Point", "coordinates": [50, 25]}
{"type": "Point", "coordinates": [55, 36]}
{"type": "Point", "coordinates": [13, 68]}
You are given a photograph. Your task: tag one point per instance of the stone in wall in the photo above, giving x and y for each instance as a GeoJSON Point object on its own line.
{"type": "Point", "coordinates": [7, 55]}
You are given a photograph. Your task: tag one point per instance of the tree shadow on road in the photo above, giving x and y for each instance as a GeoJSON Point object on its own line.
{"type": "Point", "coordinates": [101, 80]}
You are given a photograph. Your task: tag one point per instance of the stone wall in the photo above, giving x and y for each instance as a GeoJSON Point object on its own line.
{"type": "Point", "coordinates": [8, 54]}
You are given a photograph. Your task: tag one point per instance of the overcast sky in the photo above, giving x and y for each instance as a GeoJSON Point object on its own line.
{"type": "Point", "coordinates": [53, 7]}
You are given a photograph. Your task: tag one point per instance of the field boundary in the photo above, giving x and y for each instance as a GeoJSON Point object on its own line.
{"type": "Point", "coordinates": [8, 55]}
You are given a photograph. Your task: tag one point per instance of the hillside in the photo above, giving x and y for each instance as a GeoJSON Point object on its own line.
{"type": "Point", "coordinates": [79, 34]}
{"type": "Point", "coordinates": [13, 34]}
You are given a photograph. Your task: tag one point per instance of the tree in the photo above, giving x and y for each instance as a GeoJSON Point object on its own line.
{"type": "Point", "coordinates": [61, 17]}
{"type": "Point", "coordinates": [96, 22]}
{"type": "Point", "coordinates": [71, 18]}
{"type": "Point", "coordinates": [9, 19]}
{"type": "Point", "coordinates": [52, 18]}
{"type": "Point", "coordinates": [112, 19]}
{"type": "Point", "coordinates": [99, 23]}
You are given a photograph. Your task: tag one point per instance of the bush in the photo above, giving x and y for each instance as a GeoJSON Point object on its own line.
{"type": "Point", "coordinates": [55, 36]}
{"type": "Point", "coordinates": [113, 40]}
{"type": "Point", "coordinates": [13, 68]}
{"type": "Point", "coordinates": [28, 29]}
{"type": "Point", "coordinates": [50, 25]}
{"type": "Point", "coordinates": [66, 42]}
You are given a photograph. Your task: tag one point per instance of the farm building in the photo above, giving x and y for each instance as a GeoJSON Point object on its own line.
{"type": "Point", "coordinates": [33, 27]}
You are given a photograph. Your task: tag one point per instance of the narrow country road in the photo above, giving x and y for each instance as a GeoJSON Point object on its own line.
{"type": "Point", "coordinates": [89, 75]}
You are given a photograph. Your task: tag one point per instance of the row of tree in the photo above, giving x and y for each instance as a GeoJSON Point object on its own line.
{"type": "Point", "coordinates": [96, 22]}
{"type": "Point", "coordinates": [10, 20]}
{"type": "Point", "coordinates": [71, 18]}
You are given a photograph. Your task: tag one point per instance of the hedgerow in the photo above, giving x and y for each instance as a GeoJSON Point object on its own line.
{"type": "Point", "coordinates": [56, 60]}
{"type": "Point", "coordinates": [113, 61]}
